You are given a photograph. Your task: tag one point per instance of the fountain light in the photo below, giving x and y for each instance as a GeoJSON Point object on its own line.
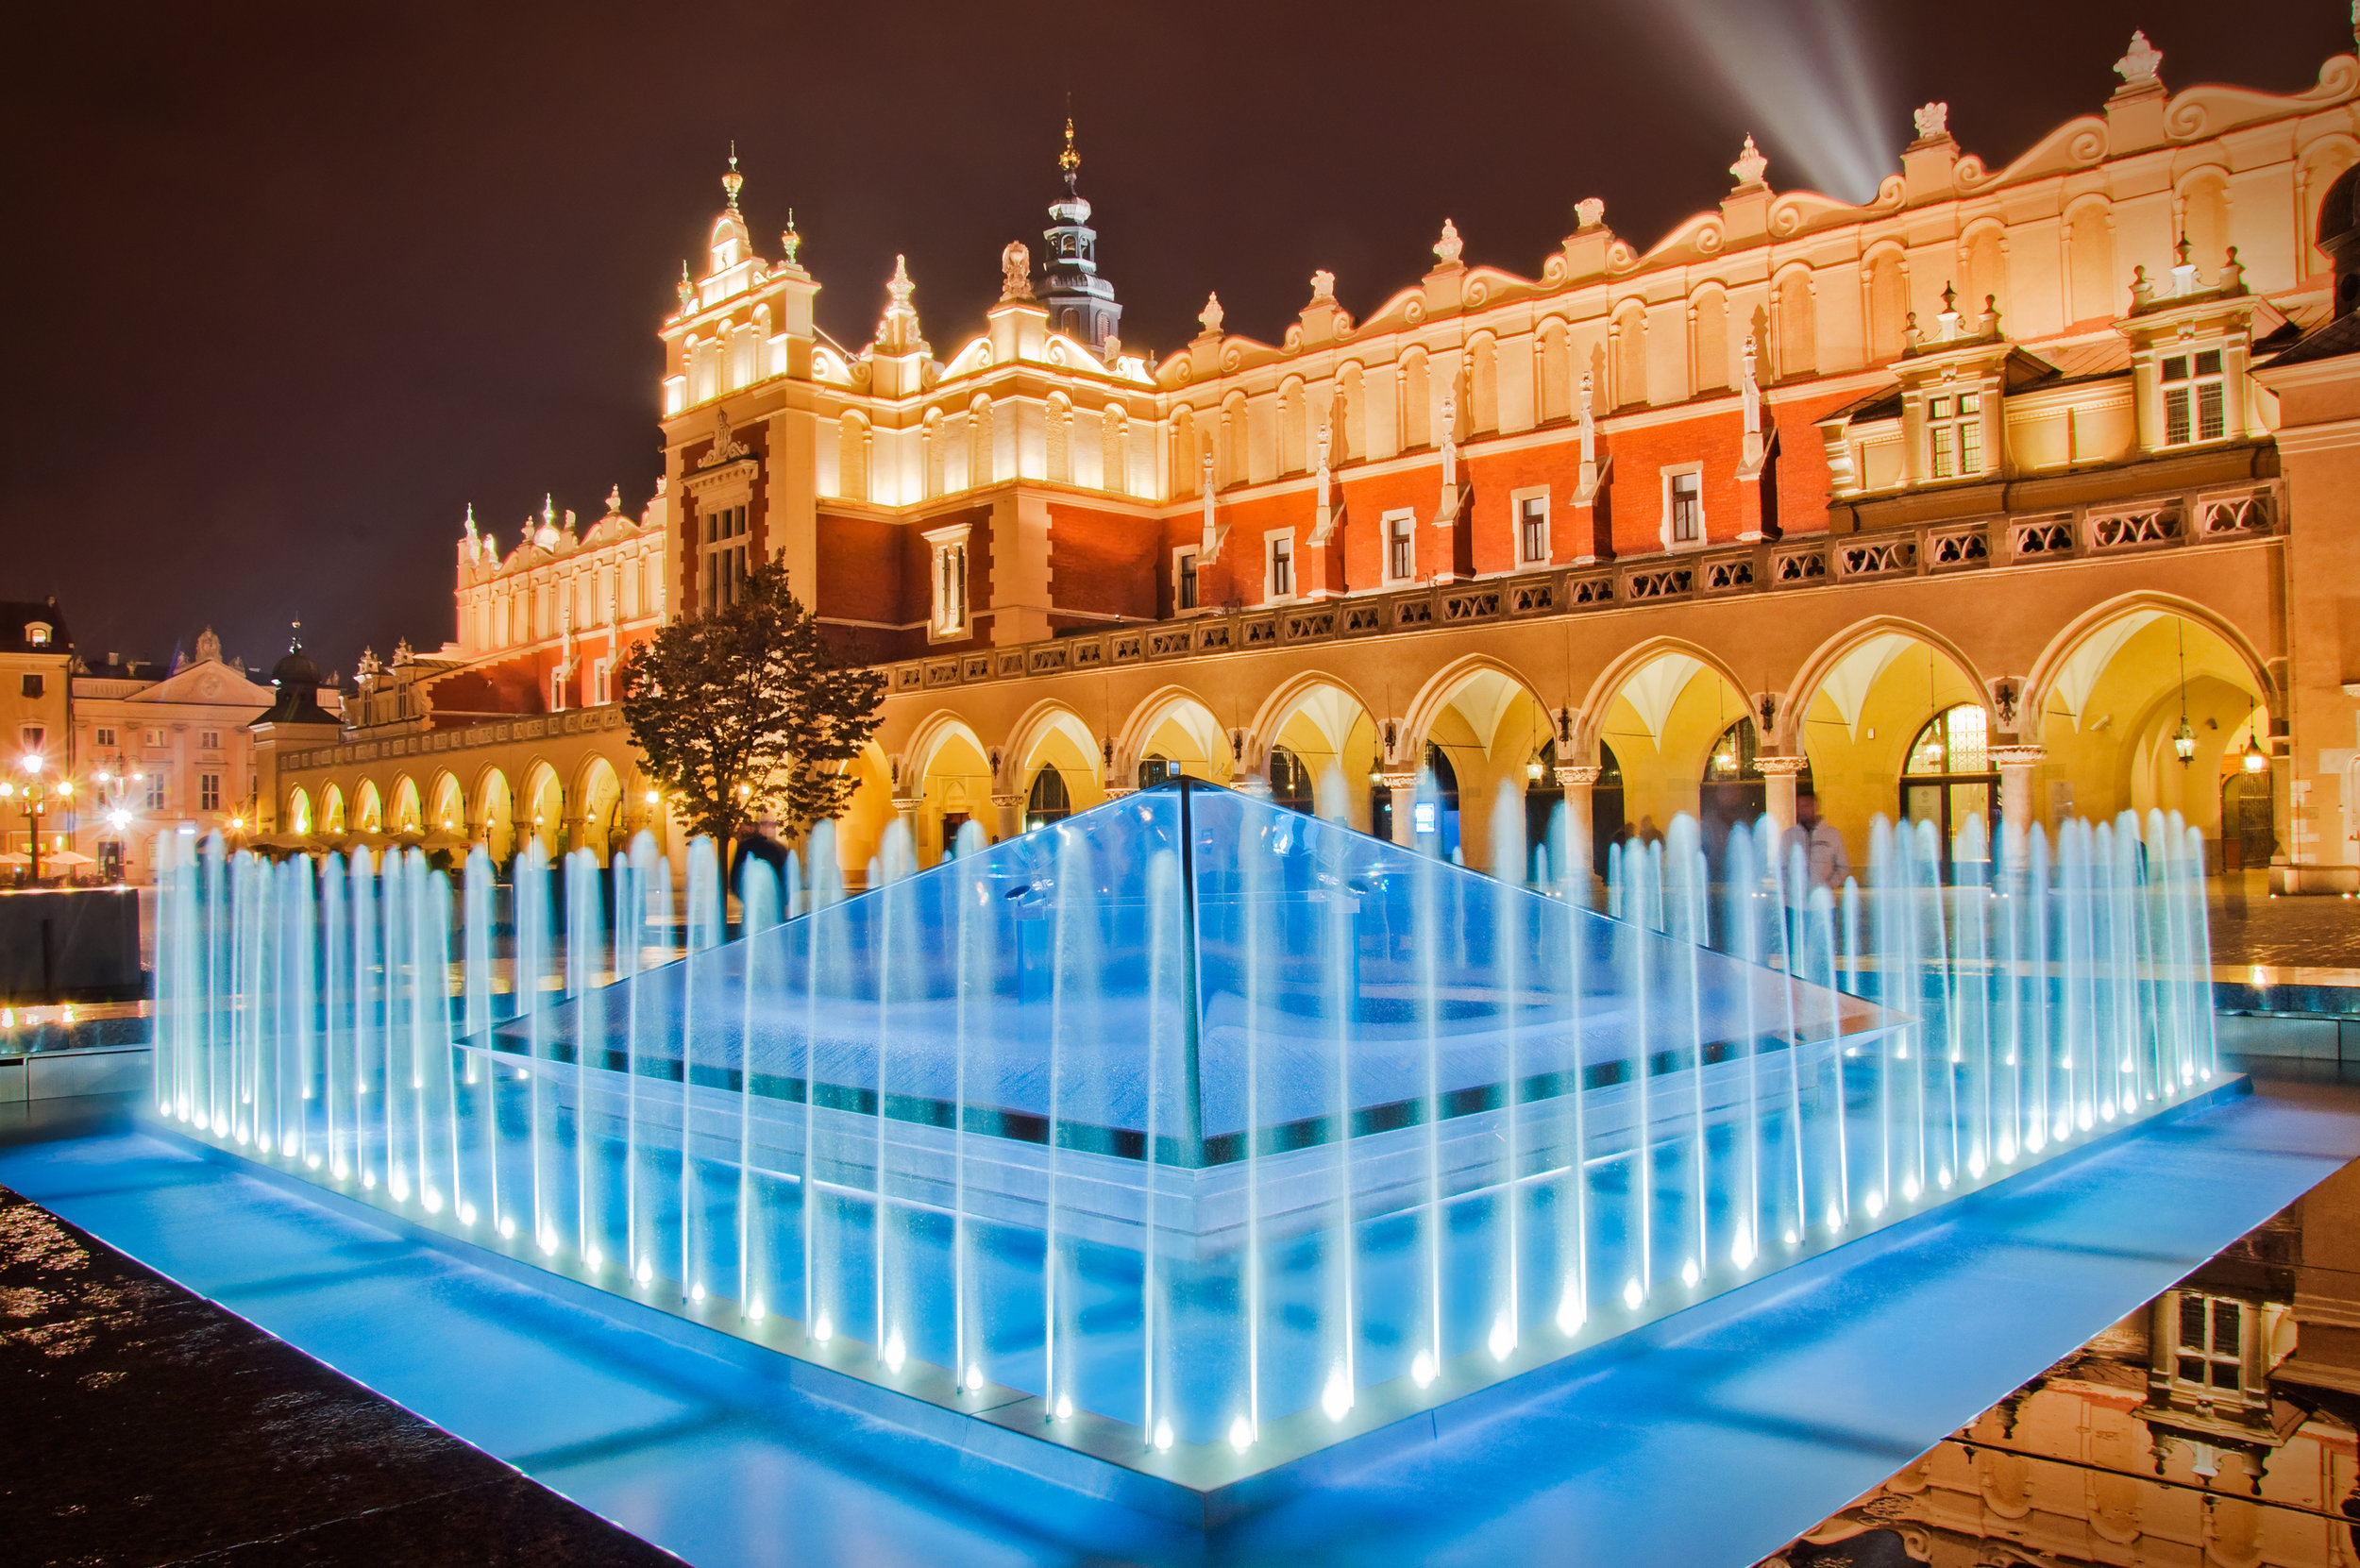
{"type": "Point", "coordinates": [895, 1352]}
{"type": "Point", "coordinates": [1793, 1239]}
{"type": "Point", "coordinates": [755, 1310]}
{"type": "Point", "coordinates": [1633, 1293]}
{"type": "Point", "coordinates": [1163, 1437]}
{"type": "Point", "coordinates": [1876, 1205]}
{"type": "Point", "coordinates": [1065, 1407]}
{"type": "Point", "coordinates": [695, 1293]}
{"type": "Point", "coordinates": [647, 1276]}
{"type": "Point", "coordinates": [821, 1329]}
{"type": "Point", "coordinates": [1570, 1317]}
{"type": "Point", "coordinates": [368, 1181]}
{"type": "Point", "coordinates": [508, 1230]}
{"type": "Point", "coordinates": [433, 1200]}
{"type": "Point", "coordinates": [1241, 1434]}
{"type": "Point", "coordinates": [1503, 1339]}
{"type": "Point", "coordinates": [1689, 1274]}
{"type": "Point", "coordinates": [1421, 1369]}
{"type": "Point", "coordinates": [1741, 1253]}
{"type": "Point", "coordinates": [1335, 1399]}
{"type": "Point", "coordinates": [975, 1381]}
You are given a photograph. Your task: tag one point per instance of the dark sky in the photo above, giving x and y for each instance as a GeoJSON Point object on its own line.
{"type": "Point", "coordinates": [287, 286]}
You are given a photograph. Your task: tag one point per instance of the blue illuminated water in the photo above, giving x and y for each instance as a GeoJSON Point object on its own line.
{"type": "Point", "coordinates": [1191, 1119]}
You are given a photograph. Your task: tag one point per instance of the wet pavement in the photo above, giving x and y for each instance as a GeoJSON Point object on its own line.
{"type": "Point", "coordinates": [145, 1426]}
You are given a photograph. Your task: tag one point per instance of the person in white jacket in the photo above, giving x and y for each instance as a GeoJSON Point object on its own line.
{"type": "Point", "coordinates": [1825, 864]}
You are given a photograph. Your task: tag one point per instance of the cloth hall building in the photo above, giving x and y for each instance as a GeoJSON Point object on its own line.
{"type": "Point", "coordinates": [2031, 488]}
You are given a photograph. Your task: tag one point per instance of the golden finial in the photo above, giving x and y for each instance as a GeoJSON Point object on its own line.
{"type": "Point", "coordinates": [731, 181]}
{"type": "Point", "coordinates": [1069, 160]}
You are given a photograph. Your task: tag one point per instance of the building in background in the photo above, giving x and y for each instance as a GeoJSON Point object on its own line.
{"type": "Point", "coordinates": [161, 750]}
{"type": "Point", "coordinates": [2214, 1427]}
{"type": "Point", "coordinates": [1964, 501]}
{"type": "Point", "coordinates": [36, 736]}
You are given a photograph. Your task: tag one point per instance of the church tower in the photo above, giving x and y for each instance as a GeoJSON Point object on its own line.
{"type": "Point", "coordinates": [1081, 303]}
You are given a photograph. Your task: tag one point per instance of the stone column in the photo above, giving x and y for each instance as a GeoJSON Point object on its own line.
{"type": "Point", "coordinates": [1011, 815]}
{"type": "Point", "coordinates": [1779, 774]}
{"type": "Point", "coordinates": [1404, 788]}
{"type": "Point", "coordinates": [1577, 780]}
{"type": "Point", "coordinates": [2012, 832]}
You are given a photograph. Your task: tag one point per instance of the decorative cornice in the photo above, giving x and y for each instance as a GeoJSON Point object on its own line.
{"type": "Point", "coordinates": [2017, 756]}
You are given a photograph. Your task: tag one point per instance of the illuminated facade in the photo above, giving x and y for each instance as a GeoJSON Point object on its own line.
{"type": "Point", "coordinates": [1968, 495]}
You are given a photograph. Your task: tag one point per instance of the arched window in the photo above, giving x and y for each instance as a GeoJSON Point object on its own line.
{"type": "Point", "coordinates": [1156, 769]}
{"type": "Point", "coordinates": [1046, 801]}
{"type": "Point", "coordinates": [1949, 777]}
{"type": "Point", "coordinates": [1954, 741]}
{"type": "Point", "coordinates": [1290, 781]}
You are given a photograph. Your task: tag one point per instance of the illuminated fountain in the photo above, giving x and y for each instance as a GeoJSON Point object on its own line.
{"type": "Point", "coordinates": [1192, 1132]}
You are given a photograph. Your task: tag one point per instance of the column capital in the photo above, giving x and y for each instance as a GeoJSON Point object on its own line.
{"type": "Point", "coordinates": [2017, 756]}
{"type": "Point", "coordinates": [1779, 766]}
{"type": "Point", "coordinates": [907, 803]}
{"type": "Point", "coordinates": [1004, 801]}
{"type": "Point", "coordinates": [1572, 773]}
{"type": "Point", "coordinates": [1115, 792]}
{"type": "Point", "coordinates": [1399, 781]}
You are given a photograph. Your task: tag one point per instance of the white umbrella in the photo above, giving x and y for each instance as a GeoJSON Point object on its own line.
{"type": "Point", "coordinates": [70, 857]}
{"type": "Point", "coordinates": [12, 858]}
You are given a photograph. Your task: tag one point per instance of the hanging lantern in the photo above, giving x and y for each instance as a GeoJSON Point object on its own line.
{"type": "Point", "coordinates": [1532, 769]}
{"type": "Point", "coordinates": [2256, 760]}
{"type": "Point", "coordinates": [2184, 742]}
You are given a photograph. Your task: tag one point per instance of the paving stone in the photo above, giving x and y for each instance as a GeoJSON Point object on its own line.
{"type": "Point", "coordinates": [147, 1427]}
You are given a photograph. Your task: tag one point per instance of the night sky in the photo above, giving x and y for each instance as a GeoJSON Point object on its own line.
{"type": "Point", "coordinates": [288, 286]}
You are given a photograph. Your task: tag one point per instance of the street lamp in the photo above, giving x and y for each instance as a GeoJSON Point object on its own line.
{"type": "Point", "coordinates": [2256, 760]}
{"type": "Point", "coordinates": [35, 791]}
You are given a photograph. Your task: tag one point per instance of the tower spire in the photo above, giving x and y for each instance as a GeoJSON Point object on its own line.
{"type": "Point", "coordinates": [732, 181]}
{"type": "Point", "coordinates": [1081, 303]}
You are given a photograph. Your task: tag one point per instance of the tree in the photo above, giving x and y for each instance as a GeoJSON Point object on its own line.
{"type": "Point", "coordinates": [743, 711]}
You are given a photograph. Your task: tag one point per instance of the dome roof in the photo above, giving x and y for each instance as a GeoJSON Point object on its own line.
{"type": "Point", "coordinates": [2339, 210]}
{"type": "Point", "coordinates": [295, 669]}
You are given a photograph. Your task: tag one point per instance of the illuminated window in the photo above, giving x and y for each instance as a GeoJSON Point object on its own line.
{"type": "Point", "coordinates": [209, 739]}
{"type": "Point", "coordinates": [1401, 547]}
{"type": "Point", "coordinates": [152, 738]}
{"type": "Point", "coordinates": [1290, 781]}
{"type": "Point", "coordinates": [1281, 564]}
{"type": "Point", "coordinates": [726, 541]}
{"type": "Point", "coordinates": [1046, 801]}
{"type": "Point", "coordinates": [2208, 1355]}
{"type": "Point", "coordinates": [37, 633]}
{"type": "Point", "coordinates": [1533, 529]}
{"type": "Point", "coordinates": [1957, 741]}
{"type": "Point", "coordinates": [155, 792]}
{"type": "Point", "coordinates": [1954, 426]}
{"type": "Point", "coordinates": [105, 738]}
{"type": "Point", "coordinates": [1685, 506]}
{"type": "Point", "coordinates": [1185, 588]}
{"type": "Point", "coordinates": [2194, 390]}
{"type": "Point", "coordinates": [948, 618]}
{"type": "Point", "coordinates": [208, 792]}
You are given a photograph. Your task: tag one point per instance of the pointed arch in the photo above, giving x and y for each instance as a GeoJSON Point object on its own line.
{"type": "Point", "coordinates": [1033, 730]}
{"type": "Point", "coordinates": [1202, 738]}
{"type": "Point", "coordinates": [1589, 722]}
{"type": "Point", "coordinates": [1812, 678]}
{"type": "Point", "coordinates": [2041, 684]}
